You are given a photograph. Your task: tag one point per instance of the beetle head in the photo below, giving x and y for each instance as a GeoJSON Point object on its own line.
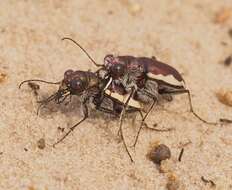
{"type": "Point", "coordinates": [74, 82]}
{"type": "Point", "coordinates": [113, 65]}
{"type": "Point", "coordinates": [109, 60]}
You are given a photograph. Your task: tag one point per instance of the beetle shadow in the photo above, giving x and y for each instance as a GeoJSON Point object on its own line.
{"type": "Point", "coordinates": [71, 107]}
{"type": "Point", "coordinates": [52, 107]}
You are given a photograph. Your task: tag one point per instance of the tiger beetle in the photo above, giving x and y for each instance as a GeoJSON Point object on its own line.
{"type": "Point", "coordinates": [143, 79]}
{"type": "Point", "coordinates": [88, 87]}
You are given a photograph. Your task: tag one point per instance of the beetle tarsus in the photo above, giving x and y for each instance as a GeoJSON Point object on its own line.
{"type": "Point", "coordinates": [70, 130]}
{"type": "Point", "coordinates": [195, 114]}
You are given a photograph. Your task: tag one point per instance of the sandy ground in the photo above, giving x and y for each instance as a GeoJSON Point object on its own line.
{"type": "Point", "coordinates": [181, 33]}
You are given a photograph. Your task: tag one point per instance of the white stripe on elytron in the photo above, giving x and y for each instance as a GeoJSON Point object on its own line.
{"type": "Point", "coordinates": [169, 79]}
{"type": "Point", "coordinates": [123, 99]}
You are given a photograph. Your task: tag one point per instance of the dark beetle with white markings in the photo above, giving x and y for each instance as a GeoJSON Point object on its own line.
{"type": "Point", "coordinates": [126, 83]}
{"type": "Point", "coordinates": [148, 77]}
{"type": "Point", "coordinates": [144, 79]}
{"type": "Point", "coordinates": [138, 82]}
{"type": "Point", "coordinates": [88, 87]}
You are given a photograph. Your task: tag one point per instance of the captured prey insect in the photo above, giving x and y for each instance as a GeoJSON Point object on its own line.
{"type": "Point", "coordinates": [146, 80]}
{"type": "Point", "coordinates": [88, 86]}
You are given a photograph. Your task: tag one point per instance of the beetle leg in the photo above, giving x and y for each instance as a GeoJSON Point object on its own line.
{"type": "Point", "coordinates": [124, 108]}
{"type": "Point", "coordinates": [50, 98]}
{"type": "Point", "coordinates": [40, 107]}
{"type": "Point", "coordinates": [44, 102]}
{"type": "Point", "coordinates": [85, 111]}
{"type": "Point", "coordinates": [70, 99]}
{"type": "Point", "coordinates": [181, 91]}
{"type": "Point", "coordinates": [155, 100]}
{"type": "Point", "coordinates": [195, 114]}
{"type": "Point", "coordinates": [121, 122]}
{"type": "Point", "coordinates": [59, 100]}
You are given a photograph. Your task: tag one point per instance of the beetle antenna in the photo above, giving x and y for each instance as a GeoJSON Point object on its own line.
{"type": "Point", "coordinates": [94, 62]}
{"type": "Point", "coordinates": [37, 80]}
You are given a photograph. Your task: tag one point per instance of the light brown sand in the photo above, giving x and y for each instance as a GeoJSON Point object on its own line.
{"type": "Point", "coordinates": [181, 33]}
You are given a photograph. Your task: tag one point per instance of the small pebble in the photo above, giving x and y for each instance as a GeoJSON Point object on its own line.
{"type": "Point", "coordinates": [228, 61]}
{"type": "Point", "coordinates": [225, 97]}
{"type": "Point", "coordinates": [35, 87]}
{"type": "Point", "coordinates": [110, 12]}
{"type": "Point", "coordinates": [41, 143]}
{"type": "Point", "coordinates": [159, 153]}
{"type": "Point", "coordinates": [2, 77]}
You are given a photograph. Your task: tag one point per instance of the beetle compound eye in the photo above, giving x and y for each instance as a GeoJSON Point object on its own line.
{"type": "Point", "coordinates": [118, 70]}
{"type": "Point", "coordinates": [108, 59]}
{"type": "Point", "coordinates": [77, 85]}
{"type": "Point", "coordinates": [68, 73]}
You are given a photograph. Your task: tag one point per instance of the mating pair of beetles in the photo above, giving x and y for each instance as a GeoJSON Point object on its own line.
{"type": "Point", "coordinates": [121, 85]}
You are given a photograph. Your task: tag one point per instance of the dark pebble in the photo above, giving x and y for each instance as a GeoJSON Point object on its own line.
{"type": "Point", "coordinates": [41, 143]}
{"type": "Point", "coordinates": [159, 153]}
